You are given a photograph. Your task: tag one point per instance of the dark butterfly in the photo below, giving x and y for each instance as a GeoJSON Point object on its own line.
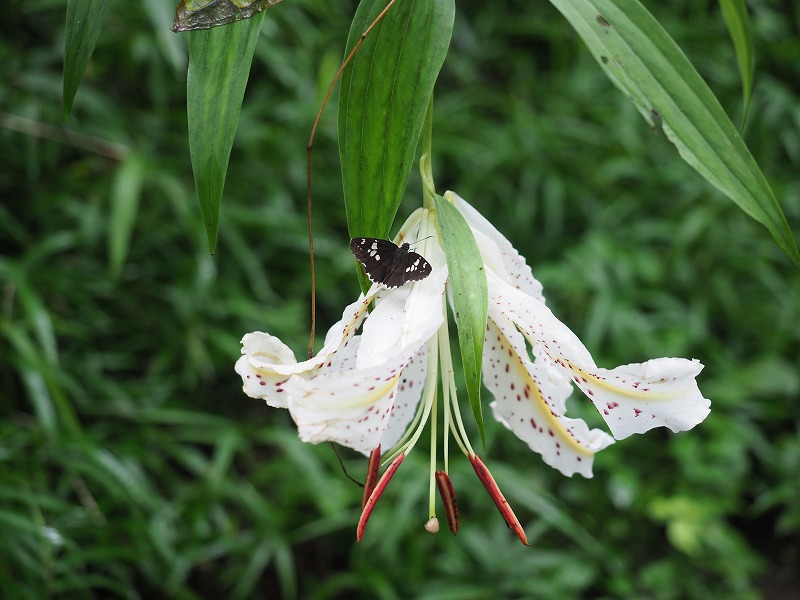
{"type": "Point", "coordinates": [389, 264]}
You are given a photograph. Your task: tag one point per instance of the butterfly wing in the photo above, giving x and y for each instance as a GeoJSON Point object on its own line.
{"type": "Point", "coordinates": [409, 266]}
{"type": "Point", "coordinates": [376, 255]}
{"type": "Point", "coordinates": [387, 263]}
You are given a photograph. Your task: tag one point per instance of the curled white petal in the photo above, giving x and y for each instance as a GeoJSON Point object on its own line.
{"type": "Point", "coordinates": [632, 398]}
{"type": "Point", "coordinates": [530, 401]}
{"type": "Point", "coordinates": [497, 251]}
{"type": "Point", "coordinates": [638, 397]}
{"type": "Point", "coordinates": [260, 352]}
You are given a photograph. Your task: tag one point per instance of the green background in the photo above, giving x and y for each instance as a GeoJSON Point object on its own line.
{"type": "Point", "coordinates": [132, 465]}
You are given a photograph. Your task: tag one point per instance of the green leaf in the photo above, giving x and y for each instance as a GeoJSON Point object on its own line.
{"type": "Point", "coordinates": [85, 20]}
{"type": "Point", "coordinates": [738, 21]}
{"type": "Point", "coordinates": [219, 66]}
{"type": "Point", "coordinates": [124, 208]}
{"type": "Point", "coordinates": [384, 95]}
{"type": "Point", "coordinates": [467, 282]}
{"type": "Point", "coordinates": [645, 63]}
{"type": "Point", "coordinates": [205, 14]}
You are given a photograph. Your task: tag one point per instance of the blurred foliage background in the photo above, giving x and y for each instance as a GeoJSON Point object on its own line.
{"type": "Point", "coordinates": [132, 465]}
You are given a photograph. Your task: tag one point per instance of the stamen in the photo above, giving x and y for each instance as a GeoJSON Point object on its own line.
{"type": "Point", "coordinates": [497, 496]}
{"type": "Point", "coordinates": [376, 493]}
{"type": "Point", "coordinates": [372, 474]}
{"type": "Point", "coordinates": [448, 496]}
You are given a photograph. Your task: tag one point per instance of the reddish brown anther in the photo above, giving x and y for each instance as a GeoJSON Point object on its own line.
{"type": "Point", "coordinates": [448, 497]}
{"type": "Point", "coordinates": [372, 474]}
{"type": "Point", "coordinates": [502, 504]}
{"type": "Point", "coordinates": [369, 505]}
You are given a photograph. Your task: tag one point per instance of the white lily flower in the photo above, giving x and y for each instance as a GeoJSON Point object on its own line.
{"type": "Point", "coordinates": [364, 390]}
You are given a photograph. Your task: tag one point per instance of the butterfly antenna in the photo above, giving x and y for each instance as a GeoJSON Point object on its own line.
{"type": "Point", "coordinates": [344, 469]}
{"type": "Point", "coordinates": [308, 170]}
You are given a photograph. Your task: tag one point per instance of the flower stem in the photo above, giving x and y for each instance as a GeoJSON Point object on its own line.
{"type": "Point", "coordinates": [425, 168]}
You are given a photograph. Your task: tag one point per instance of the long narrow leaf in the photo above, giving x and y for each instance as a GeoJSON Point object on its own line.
{"type": "Point", "coordinates": [738, 21]}
{"type": "Point", "coordinates": [470, 296]}
{"type": "Point", "coordinates": [646, 64]}
{"type": "Point", "coordinates": [219, 66]}
{"type": "Point", "coordinates": [85, 20]}
{"type": "Point", "coordinates": [384, 95]}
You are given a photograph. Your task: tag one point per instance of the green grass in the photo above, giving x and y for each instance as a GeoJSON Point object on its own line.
{"type": "Point", "coordinates": [132, 465]}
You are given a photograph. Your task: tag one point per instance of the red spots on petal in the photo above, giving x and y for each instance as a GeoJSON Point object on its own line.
{"type": "Point", "coordinates": [507, 368]}
{"type": "Point", "coordinates": [262, 383]}
{"type": "Point", "coordinates": [550, 431]}
{"type": "Point", "coordinates": [533, 423]}
{"type": "Point", "coordinates": [636, 412]}
{"type": "Point", "coordinates": [512, 385]}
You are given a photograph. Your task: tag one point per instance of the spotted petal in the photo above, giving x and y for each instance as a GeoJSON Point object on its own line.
{"type": "Point", "coordinates": [530, 401]}
{"type": "Point", "coordinates": [632, 398]}
{"type": "Point", "coordinates": [346, 405]}
{"type": "Point", "coordinates": [267, 363]}
{"type": "Point", "coordinates": [264, 381]}
{"type": "Point", "coordinates": [409, 392]}
{"type": "Point", "coordinates": [637, 397]}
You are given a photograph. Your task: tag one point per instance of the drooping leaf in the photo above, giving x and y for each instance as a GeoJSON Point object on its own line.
{"type": "Point", "coordinates": [384, 95]}
{"type": "Point", "coordinates": [738, 21]}
{"type": "Point", "coordinates": [647, 65]}
{"type": "Point", "coordinates": [219, 66]}
{"type": "Point", "coordinates": [85, 20]}
{"type": "Point", "coordinates": [470, 293]}
{"type": "Point", "coordinates": [205, 14]}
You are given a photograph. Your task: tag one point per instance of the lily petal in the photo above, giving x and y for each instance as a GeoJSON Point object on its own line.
{"type": "Point", "coordinates": [409, 392]}
{"type": "Point", "coordinates": [496, 250]}
{"type": "Point", "coordinates": [638, 397]}
{"type": "Point", "coordinates": [264, 383]}
{"type": "Point", "coordinates": [530, 401]}
{"type": "Point", "coordinates": [632, 398]}
{"type": "Point", "coordinates": [266, 358]}
{"type": "Point", "coordinates": [350, 407]}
